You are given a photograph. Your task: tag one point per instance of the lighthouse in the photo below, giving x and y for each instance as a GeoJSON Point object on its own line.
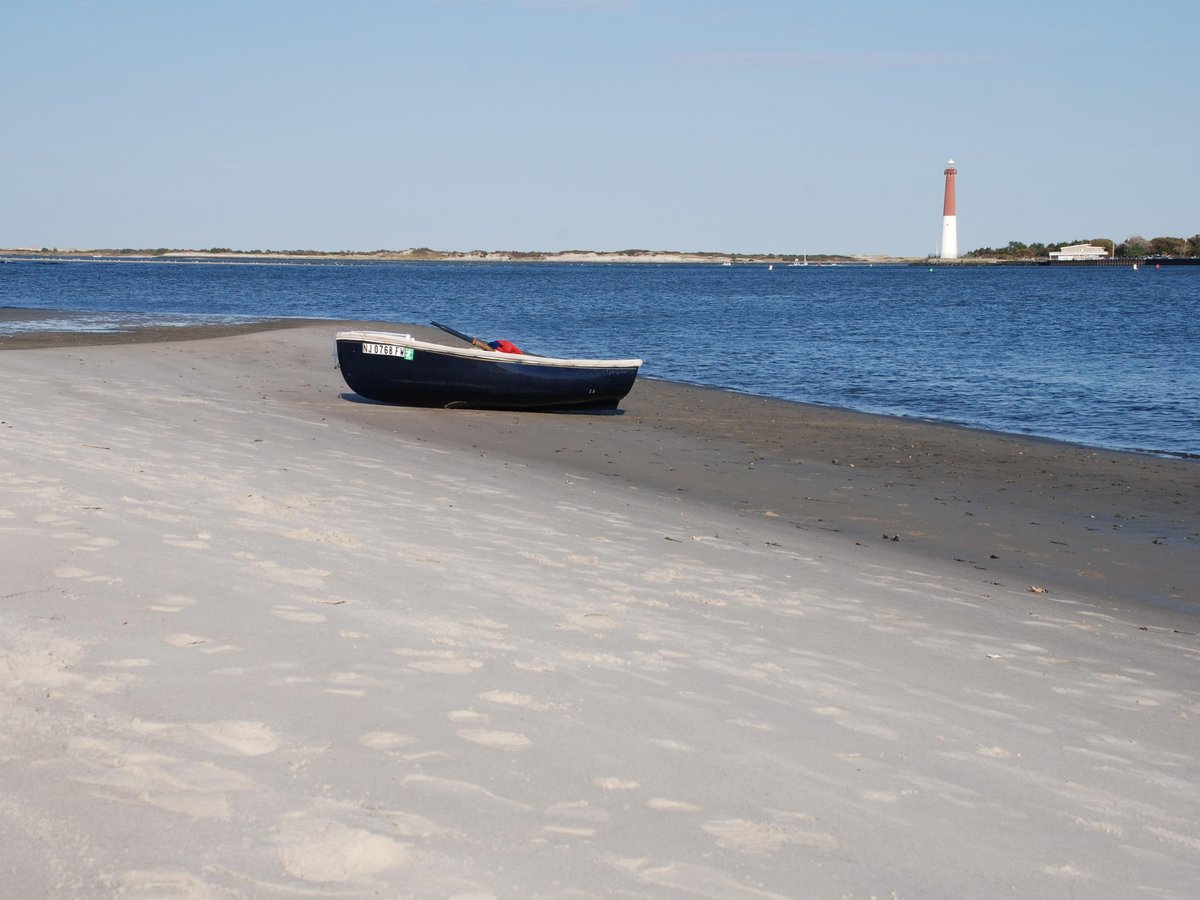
{"type": "Point", "coordinates": [949, 217]}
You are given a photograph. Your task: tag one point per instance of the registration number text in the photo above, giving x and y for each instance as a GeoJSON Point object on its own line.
{"type": "Point", "coordinates": [388, 350]}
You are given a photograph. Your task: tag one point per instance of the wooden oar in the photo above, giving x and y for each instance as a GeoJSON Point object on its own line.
{"type": "Point", "coordinates": [473, 341]}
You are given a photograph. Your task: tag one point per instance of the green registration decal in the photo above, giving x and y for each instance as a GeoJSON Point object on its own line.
{"type": "Point", "coordinates": [388, 350]}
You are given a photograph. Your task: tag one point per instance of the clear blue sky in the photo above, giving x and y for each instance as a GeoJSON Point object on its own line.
{"type": "Point", "coordinates": [713, 125]}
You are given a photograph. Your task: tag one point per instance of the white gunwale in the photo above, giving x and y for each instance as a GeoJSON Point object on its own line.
{"type": "Point", "coordinates": [492, 356]}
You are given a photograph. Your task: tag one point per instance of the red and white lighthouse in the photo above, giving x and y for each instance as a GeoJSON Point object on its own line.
{"type": "Point", "coordinates": [949, 217]}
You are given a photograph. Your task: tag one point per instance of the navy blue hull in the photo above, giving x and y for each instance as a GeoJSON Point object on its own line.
{"type": "Point", "coordinates": [436, 379]}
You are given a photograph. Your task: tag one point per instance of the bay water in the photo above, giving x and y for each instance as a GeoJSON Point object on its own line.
{"type": "Point", "coordinates": [1105, 357]}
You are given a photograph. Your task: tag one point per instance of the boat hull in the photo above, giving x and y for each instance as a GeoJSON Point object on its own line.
{"type": "Point", "coordinates": [393, 368]}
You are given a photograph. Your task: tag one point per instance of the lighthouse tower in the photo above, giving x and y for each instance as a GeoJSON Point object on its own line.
{"type": "Point", "coordinates": [949, 217]}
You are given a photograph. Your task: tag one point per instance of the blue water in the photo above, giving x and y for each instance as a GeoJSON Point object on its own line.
{"type": "Point", "coordinates": [1107, 357]}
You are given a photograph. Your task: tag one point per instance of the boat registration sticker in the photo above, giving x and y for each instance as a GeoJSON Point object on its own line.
{"type": "Point", "coordinates": [388, 350]}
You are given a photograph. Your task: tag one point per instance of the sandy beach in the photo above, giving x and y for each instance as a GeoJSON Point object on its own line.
{"type": "Point", "coordinates": [262, 638]}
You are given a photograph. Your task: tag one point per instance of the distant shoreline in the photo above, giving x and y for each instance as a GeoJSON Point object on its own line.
{"type": "Point", "coordinates": [655, 257]}
{"type": "Point", "coordinates": [427, 255]}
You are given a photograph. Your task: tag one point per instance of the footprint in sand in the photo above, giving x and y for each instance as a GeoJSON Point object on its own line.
{"type": "Point", "coordinates": [576, 818]}
{"type": "Point", "coordinates": [324, 850]}
{"type": "Point", "coordinates": [184, 640]}
{"type": "Point", "coordinates": [127, 771]}
{"type": "Point", "coordinates": [83, 575]}
{"type": "Point", "coordinates": [588, 619]}
{"type": "Point", "coordinates": [133, 663]}
{"type": "Point", "coordinates": [51, 519]}
{"type": "Point", "coordinates": [512, 698]}
{"type": "Point", "coordinates": [386, 740]}
{"type": "Point", "coordinates": [448, 666]}
{"type": "Point", "coordinates": [886, 796]}
{"type": "Point", "coordinates": [172, 603]}
{"type": "Point", "coordinates": [509, 741]}
{"type": "Point", "coordinates": [456, 790]}
{"type": "Point", "coordinates": [848, 721]}
{"type": "Point", "coordinates": [753, 724]}
{"type": "Point", "coordinates": [442, 663]}
{"type": "Point", "coordinates": [668, 744]}
{"type": "Point", "coordinates": [994, 752]}
{"type": "Point", "coordinates": [661, 804]}
{"type": "Point", "coordinates": [350, 684]}
{"type": "Point", "coordinates": [93, 544]}
{"type": "Point", "coordinates": [203, 644]}
{"type": "Point", "coordinates": [296, 614]}
{"type": "Point", "coordinates": [164, 883]}
{"type": "Point", "coordinates": [182, 542]}
{"type": "Point", "coordinates": [238, 738]}
{"type": "Point", "coordinates": [230, 737]}
{"type": "Point", "coordinates": [320, 537]}
{"type": "Point", "coordinates": [309, 579]}
{"type": "Point", "coordinates": [766, 837]}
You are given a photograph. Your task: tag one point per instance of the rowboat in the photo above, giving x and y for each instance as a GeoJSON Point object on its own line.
{"type": "Point", "coordinates": [398, 368]}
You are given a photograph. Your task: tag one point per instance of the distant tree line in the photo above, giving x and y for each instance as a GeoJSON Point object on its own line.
{"type": "Point", "coordinates": [1133, 247]}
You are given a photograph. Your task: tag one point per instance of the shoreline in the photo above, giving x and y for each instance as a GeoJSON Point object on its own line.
{"type": "Point", "coordinates": [157, 333]}
{"type": "Point", "coordinates": [260, 635]}
{"type": "Point", "coordinates": [492, 256]}
{"type": "Point", "coordinates": [576, 257]}
{"type": "Point", "coordinates": [1014, 507]}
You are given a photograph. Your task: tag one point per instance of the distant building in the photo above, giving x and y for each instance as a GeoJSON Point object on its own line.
{"type": "Point", "coordinates": [1078, 252]}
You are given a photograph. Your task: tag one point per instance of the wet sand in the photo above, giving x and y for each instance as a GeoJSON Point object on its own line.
{"type": "Point", "coordinates": [261, 637]}
{"type": "Point", "coordinates": [1015, 511]}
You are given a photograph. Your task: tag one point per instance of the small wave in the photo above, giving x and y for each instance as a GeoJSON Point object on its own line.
{"type": "Point", "coordinates": [29, 322]}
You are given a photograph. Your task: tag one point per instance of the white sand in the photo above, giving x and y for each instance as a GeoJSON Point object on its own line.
{"type": "Point", "coordinates": [258, 640]}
